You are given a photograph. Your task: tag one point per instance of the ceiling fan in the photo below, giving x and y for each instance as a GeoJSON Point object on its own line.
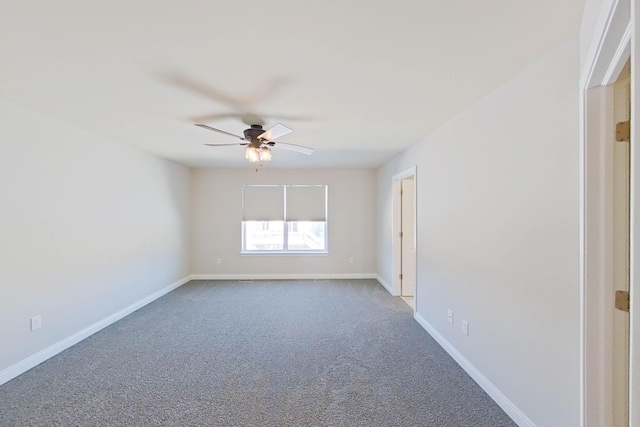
{"type": "Point", "coordinates": [259, 142]}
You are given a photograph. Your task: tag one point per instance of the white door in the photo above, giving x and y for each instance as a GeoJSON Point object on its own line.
{"type": "Point", "coordinates": [621, 251]}
{"type": "Point", "coordinates": [408, 245]}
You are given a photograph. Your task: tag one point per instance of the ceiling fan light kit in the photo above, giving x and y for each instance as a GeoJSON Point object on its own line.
{"type": "Point", "coordinates": [255, 155]}
{"type": "Point", "coordinates": [258, 142]}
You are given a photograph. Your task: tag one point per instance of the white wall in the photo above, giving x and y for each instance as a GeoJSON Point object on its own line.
{"type": "Point", "coordinates": [216, 205]}
{"type": "Point", "coordinates": [498, 236]}
{"type": "Point", "coordinates": [88, 227]}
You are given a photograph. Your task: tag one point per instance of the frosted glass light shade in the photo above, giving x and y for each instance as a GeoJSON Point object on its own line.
{"type": "Point", "coordinates": [265, 154]}
{"type": "Point", "coordinates": [252, 154]}
{"type": "Point", "coordinates": [255, 155]}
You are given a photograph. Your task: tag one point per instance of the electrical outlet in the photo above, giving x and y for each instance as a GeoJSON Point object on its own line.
{"type": "Point", "coordinates": [219, 261]}
{"type": "Point", "coordinates": [465, 327]}
{"type": "Point", "coordinates": [450, 316]}
{"type": "Point", "coordinates": [350, 260]}
{"type": "Point", "coordinates": [36, 322]}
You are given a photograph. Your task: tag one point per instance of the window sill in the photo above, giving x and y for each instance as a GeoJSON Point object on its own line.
{"type": "Point", "coordinates": [279, 253]}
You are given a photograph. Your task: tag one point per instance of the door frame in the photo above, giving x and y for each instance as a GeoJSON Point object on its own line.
{"type": "Point", "coordinates": [617, 42]}
{"type": "Point", "coordinates": [397, 227]}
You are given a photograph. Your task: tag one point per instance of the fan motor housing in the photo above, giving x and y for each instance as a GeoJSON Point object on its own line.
{"type": "Point", "coordinates": [252, 134]}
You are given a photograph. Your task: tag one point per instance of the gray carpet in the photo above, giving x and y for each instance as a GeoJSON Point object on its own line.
{"type": "Point", "coordinates": [265, 353]}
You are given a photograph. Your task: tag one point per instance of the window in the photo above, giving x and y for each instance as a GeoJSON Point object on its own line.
{"type": "Point", "coordinates": [284, 218]}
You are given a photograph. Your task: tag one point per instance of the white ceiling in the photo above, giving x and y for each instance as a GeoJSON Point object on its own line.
{"type": "Point", "coordinates": [358, 80]}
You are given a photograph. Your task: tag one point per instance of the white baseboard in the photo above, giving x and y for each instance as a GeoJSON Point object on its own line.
{"type": "Point", "coordinates": [384, 284]}
{"type": "Point", "coordinates": [507, 406]}
{"type": "Point", "coordinates": [21, 367]}
{"type": "Point", "coordinates": [320, 276]}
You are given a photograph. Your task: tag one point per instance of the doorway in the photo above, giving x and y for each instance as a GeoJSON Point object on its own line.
{"type": "Point", "coordinates": [609, 229]}
{"type": "Point", "coordinates": [408, 240]}
{"type": "Point", "coordinates": [620, 239]}
{"type": "Point", "coordinates": [404, 232]}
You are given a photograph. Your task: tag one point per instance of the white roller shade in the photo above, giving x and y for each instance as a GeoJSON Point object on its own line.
{"type": "Point", "coordinates": [263, 203]}
{"type": "Point", "coordinates": [307, 203]}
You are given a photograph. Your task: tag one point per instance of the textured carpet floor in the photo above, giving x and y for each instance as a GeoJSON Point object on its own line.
{"type": "Point", "coordinates": [265, 353]}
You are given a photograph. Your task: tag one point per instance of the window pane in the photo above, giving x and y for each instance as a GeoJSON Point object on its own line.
{"type": "Point", "coordinates": [306, 203]}
{"type": "Point", "coordinates": [264, 235]}
{"type": "Point", "coordinates": [263, 203]}
{"type": "Point", "coordinates": [306, 235]}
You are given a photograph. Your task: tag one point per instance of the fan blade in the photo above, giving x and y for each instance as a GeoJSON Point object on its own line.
{"type": "Point", "coordinates": [258, 95]}
{"type": "Point", "coordinates": [253, 119]}
{"type": "Point", "coordinates": [275, 132]}
{"type": "Point", "coordinates": [204, 89]}
{"type": "Point", "coordinates": [290, 118]}
{"type": "Point", "coordinates": [218, 130]}
{"type": "Point", "coordinates": [222, 145]}
{"type": "Point", "coordinates": [293, 147]}
{"type": "Point", "coordinates": [247, 118]}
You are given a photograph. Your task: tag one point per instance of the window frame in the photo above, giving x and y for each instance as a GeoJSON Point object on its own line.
{"type": "Point", "coordinates": [285, 225]}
